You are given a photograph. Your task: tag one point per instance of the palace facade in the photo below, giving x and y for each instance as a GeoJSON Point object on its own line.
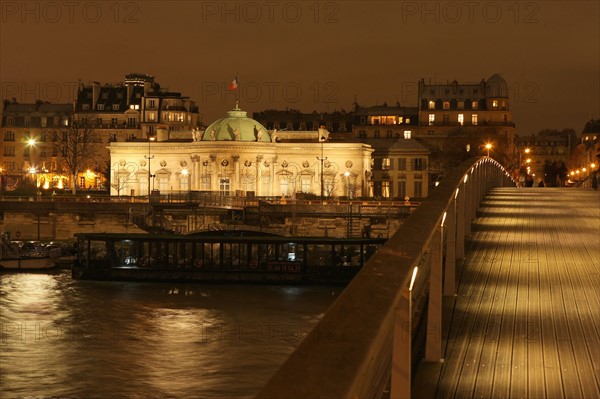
{"type": "Point", "coordinates": [237, 155]}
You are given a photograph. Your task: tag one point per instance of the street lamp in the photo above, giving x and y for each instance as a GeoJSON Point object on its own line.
{"type": "Point", "coordinates": [348, 225]}
{"type": "Point", "coordinates": [322, 138]}
{"type": "Point", "coordinates": [488, 147]}
{"type": "Point", "coordinates": [33, 172]}
{"type": "Point", "coordinates": [526, 151]}
{"type": "Point", "coordinates": [151, 138]}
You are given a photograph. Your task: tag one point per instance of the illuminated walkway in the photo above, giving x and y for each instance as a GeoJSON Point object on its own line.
{"type": "Point", "coordinates": [526, 319]}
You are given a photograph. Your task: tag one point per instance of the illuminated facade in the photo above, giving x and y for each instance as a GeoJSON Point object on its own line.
{"type": "Point", "coordinates": [585, 159]}
{"type": "Point", "coordinates": [479, 113]}
{"type": "Point", "coordinates": [237, 155]}
{"type": "Point", "coordinates": [384, 122]}
{"type": "Point", "coordinates": [133, 110]}
{"type": "Point", "coordinates": [28, 132]}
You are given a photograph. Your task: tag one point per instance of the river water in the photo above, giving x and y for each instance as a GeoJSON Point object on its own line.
{"type": "Point", "coordinates": [82, 339]}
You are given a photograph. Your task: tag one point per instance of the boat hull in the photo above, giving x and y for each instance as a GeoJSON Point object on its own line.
{"type": "Point", "coordinates": [23, 263]}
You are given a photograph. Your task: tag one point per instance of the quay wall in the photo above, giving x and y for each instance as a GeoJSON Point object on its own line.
{"type": "Point", "coordinates": [49, 220]}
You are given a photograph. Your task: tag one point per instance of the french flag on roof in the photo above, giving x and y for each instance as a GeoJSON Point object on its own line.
{"type": "Point", "coordinates": [234, 84]}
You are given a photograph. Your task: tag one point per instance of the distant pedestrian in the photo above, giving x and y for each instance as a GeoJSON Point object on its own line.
{"type": "Point", "coordinates": [541, 183]}
{"type": "Point", "coordinates": [529, 181]}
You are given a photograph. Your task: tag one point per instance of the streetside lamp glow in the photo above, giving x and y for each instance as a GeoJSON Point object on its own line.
{"type": "Point", "coordinates": [488, 147]}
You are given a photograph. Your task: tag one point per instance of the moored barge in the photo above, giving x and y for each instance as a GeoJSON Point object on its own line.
{"type": "Point", "coordinates": [221, 258]}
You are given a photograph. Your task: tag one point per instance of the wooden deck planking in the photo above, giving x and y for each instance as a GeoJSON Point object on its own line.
{"type": "Point", "coordinates": [576, 299]}
{"type": "Point", "coordinates": [458, 339]}
{"type": "Point", "coordinates": [489, 353]}
{"type": "Point", "coordinates": [541, 286]}
{"type": "Point", "coordinates": [548, 344]}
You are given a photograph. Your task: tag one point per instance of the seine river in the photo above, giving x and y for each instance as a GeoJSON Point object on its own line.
{"type": "Point", "coordinates": [79, 339]}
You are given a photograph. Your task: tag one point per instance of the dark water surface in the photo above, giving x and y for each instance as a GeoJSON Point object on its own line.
{"type": "Point", "coordinates": [82, 339]}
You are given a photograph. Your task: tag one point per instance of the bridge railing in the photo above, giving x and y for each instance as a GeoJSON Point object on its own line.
{"type": "Point", "coordinates": [367, 340]}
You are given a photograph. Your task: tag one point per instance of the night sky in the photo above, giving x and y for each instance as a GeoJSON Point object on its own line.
{"type": "Point", "coordinates": [311, 55]}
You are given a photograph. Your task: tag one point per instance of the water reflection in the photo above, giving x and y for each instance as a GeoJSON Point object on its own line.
{"type": "Point", "coordinates": [70, 338]}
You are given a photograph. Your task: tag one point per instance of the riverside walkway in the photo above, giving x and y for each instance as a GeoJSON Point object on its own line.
{"type": "Point", "coordinates": [525, 321]}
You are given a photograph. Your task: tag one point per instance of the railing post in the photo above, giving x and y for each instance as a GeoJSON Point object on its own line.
{"type": "Point", "coordinates": [433, 344]}
{"type": "Point", "coordinates": [450, 266]}
{"type": "Point", "coordinates": [460, 222]}
{"type": "Point", "coordinates": [468, 186]}
{"type": "Point", "coordinates": [401, 348]}
{"type": "Point", "coordinates": [474, 203]}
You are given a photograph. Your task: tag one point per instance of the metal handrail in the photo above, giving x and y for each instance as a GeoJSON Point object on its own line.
{"type": "Point", "coordinates": [366, 337]}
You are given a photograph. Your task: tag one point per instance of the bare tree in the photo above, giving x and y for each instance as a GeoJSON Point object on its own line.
{"type": "Point", "coordinates": [78, 145]}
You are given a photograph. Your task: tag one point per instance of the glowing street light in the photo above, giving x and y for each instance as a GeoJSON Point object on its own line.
{"type": "Point", "coordinates": [488, 147]}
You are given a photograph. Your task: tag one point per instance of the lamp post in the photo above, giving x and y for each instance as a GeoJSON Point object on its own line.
{"type": "Point", "coordinates": [349, 224]}
{"type": "Point", "coordinates": [322, 138]}
{"type": "Point", "coordinates": [33, 172]}
{"type": "Point", "coordinates": [151, 138]}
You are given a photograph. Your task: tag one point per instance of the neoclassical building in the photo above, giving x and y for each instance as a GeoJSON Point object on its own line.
{"type": "Point", "coordinates": [237, 155]}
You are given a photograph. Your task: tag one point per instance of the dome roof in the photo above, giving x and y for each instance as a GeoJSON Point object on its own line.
{"type": "Point", "coordinates": [236, 127]}
{"type": "Point", "coordinates": [496, 86]}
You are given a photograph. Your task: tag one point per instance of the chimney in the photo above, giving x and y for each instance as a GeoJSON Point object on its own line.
{"type": "Point", "coordinates": [129, 93]}
{"type": "Point", "coordinates": [95, 94]}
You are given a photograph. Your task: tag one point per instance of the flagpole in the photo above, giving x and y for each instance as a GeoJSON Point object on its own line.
{"type": "Point", "coordinates": [238, 87]}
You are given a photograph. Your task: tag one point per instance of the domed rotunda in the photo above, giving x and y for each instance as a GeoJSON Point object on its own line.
{"type": "Point", "coordinates": [237, 126]}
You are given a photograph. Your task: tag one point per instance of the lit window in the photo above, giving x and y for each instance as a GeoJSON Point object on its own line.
{"type": "Point", "coordinates": [407, 121]}
{"type": "Point", "coordinates": [407, 134]}
{"type": "Point", "coordinates": [385, 164]}
{"type": "Point", "coordinates": [431, 104]}
{"type": "Point", "coordinates": [400, 119]}
{"type": "Point", "coordinates": [495, 104]}
{"type": "Point", "coordinates": [474, 119]}
{"type": "Point", "coordinates": [385, 189]}
{"type": "Point", "coordinates": [461, 119]}
{"type": "Point", "coordinates": [475, 104]}
{"type": "Point", "coordinates": [446, 104]}
{"type": "Point", "coordinates": [431, 119]}
{"type": "Point", "coordinates": [305, 182]}
{"type": "Point", "coordinates": [151, 116]}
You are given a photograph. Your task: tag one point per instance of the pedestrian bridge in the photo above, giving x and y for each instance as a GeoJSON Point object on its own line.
{"type": "Point", "coordinates": [487, 290]}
